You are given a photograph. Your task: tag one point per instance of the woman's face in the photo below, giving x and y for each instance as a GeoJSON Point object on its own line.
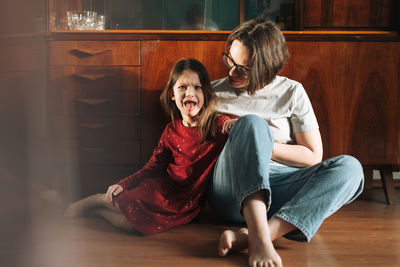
{"type": "Point", "coordinates": [241, 56]}
{"type": "Point", "coordinates": [189, 97]}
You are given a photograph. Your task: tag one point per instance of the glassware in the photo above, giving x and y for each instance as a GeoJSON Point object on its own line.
{"type": "Point", "coordinates": [82, 20]}
{"type": "Point", "coordinates": [100, 23]}
{"type": "Point", "coordinates": [90, 20]}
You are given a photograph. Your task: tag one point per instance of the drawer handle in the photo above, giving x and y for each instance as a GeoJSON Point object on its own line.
{"type": "Point", "coordinates": [93, 101]}
{"type": "Point", "coordinates": [88, 52]}
{"type": "Point", "coordinates": [92, 77]}
{"type": "Point", "coordinates": [94, 125]}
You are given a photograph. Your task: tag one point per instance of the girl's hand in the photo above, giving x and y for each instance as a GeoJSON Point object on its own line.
{"type": "Point", "coordinates": [228, 125]}
{"type": "Point", "coordinates": [113, 191]}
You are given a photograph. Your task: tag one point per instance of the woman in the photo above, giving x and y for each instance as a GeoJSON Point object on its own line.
{"type": "Point", "coordinates": [269, 174]}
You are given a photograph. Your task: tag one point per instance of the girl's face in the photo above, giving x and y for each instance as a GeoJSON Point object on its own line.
{"type": "Point", "coordinates": [188, 97]}
{"type": "Point", "coordinates": [241, 56]}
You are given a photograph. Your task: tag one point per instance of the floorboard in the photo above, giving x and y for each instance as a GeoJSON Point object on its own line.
{"type": "Point", "coordinates": [363, 233]}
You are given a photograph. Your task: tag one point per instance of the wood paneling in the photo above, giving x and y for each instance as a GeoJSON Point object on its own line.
{"type": "Point", "coordinates": [159, 57]}
{"type": "Point", "coordinates": [351, 14]}
{"type": "Point", "coordinates": [354, 88]}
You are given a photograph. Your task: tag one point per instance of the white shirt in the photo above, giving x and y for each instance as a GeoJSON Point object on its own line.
{"type": "Point", "coordinates": [284, 104]}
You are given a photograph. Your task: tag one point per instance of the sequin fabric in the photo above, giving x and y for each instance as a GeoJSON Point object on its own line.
{"type": "Point", "coordinates": [169, 190]}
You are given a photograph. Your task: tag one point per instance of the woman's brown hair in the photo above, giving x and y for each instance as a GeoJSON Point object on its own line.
{"type": "Point", "coordinates": [268, 51]}
{"type": "Point", "coordinates": [207, 114]}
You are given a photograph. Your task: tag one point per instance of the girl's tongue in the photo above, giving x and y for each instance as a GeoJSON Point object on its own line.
{"type": "Point", "coordinates": [189, 105]}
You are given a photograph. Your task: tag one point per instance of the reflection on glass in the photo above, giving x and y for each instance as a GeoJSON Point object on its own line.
{"type": "Point", "coordinates": [280, 11]}
{"type": "Point", "coordinates": [167, 14]}
{"type": "Point", "coordinates": [195, 19]}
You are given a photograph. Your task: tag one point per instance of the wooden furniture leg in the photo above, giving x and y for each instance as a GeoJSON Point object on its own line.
{"type": "Point", "coordinates": [368, 181]}
{"type": "Point", "coordinates": [387, 183]}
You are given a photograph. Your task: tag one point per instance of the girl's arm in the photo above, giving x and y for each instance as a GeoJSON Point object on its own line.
{"type": "Point", "coordinates": [156, 166]}
{"type": "Point", "coordinates": [307, 151]}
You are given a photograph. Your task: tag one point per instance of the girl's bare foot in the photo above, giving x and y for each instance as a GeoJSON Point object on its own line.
{"type": "Point", "coordinates": [81, 207]}
{"type": "Point", "coordinates": [231, 241]}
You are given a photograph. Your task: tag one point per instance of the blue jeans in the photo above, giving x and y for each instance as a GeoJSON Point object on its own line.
{"type": "Point", "coordinates": [303, 197]}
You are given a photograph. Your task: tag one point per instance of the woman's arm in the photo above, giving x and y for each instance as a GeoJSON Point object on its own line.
{"type": "Point", "coordinates": [307, 151]}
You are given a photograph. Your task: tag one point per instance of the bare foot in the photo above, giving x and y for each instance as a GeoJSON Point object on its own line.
{"type": "Point", "coordinates": [82, 207]}
{"type": "Point", "coordinates": [231, 241]}
{"type": "Point", "coordinates": [263, 253]}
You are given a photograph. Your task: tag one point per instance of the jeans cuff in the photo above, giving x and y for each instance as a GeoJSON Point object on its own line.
{"type": "Point", "coordinates": [252, 191]}
{"type": "Point", "coordinates": [301, 234]}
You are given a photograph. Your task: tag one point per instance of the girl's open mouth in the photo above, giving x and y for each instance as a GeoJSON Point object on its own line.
{"type": "Point", "coordinates": [189, 104]}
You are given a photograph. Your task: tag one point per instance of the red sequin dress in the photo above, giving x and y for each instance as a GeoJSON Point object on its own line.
{"type": "Point", "coordinates": [169, 190]}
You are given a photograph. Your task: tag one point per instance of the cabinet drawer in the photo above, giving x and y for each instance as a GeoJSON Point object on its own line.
{"type": "Point", "coordinates": [94, 90]}
{"type": "Point", "coordinates": [98, 79]}
{"type": "Point", "coordinates": [95, 127]}
{"type": "Point", "coordinates": [77, 102]}
{"type": "Point", "coordinates": [94, 53]}
{"type": "Point", "coordinates": [107, 152]}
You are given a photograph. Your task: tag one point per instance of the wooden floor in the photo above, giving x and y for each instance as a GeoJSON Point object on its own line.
{"type": "Point", "coordinates": [364, 233]}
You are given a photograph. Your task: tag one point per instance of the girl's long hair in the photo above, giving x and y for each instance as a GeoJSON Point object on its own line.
{"type": "Point", "coordinates": [206, 127]}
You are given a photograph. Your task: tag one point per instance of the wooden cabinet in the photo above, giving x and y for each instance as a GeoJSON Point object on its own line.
{"type": "Point", "coordinates": [94, 100]}
{"type": "Point", "coordinates": [106, 107]}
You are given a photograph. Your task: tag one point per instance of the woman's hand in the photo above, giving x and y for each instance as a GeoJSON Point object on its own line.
{"type": "Point", "coordinates": [307, 151]}
{"type": "Point", "coordinates": [112, 192]}
{"type": "Point", "coordinates": [228, 125]}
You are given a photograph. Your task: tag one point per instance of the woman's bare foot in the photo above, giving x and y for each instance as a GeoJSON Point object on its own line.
{"type": "Point", "coordinates": [261, 249]}
{"type": "Point", "coordinates": [82, 207]}
{"type": "Point", "coordinates": [231, 241]}
{"type": "Point", "coordinates": [262, 252]}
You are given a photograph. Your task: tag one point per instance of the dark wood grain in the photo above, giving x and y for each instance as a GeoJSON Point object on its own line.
{"type": "Point", "coordinates": [350, 14]}
{"type": "Point", "coordinates": [354, 88]}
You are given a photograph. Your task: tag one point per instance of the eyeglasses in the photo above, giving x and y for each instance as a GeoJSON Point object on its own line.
{"type": "Point", "coordinates": [241, 70]}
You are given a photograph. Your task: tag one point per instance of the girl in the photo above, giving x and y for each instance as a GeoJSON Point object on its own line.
{"type": "Point", "coordinates": [168, 190]}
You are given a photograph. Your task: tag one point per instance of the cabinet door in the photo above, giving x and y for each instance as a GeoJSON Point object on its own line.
{"type": "Point", "coordinates": [354, 89]}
